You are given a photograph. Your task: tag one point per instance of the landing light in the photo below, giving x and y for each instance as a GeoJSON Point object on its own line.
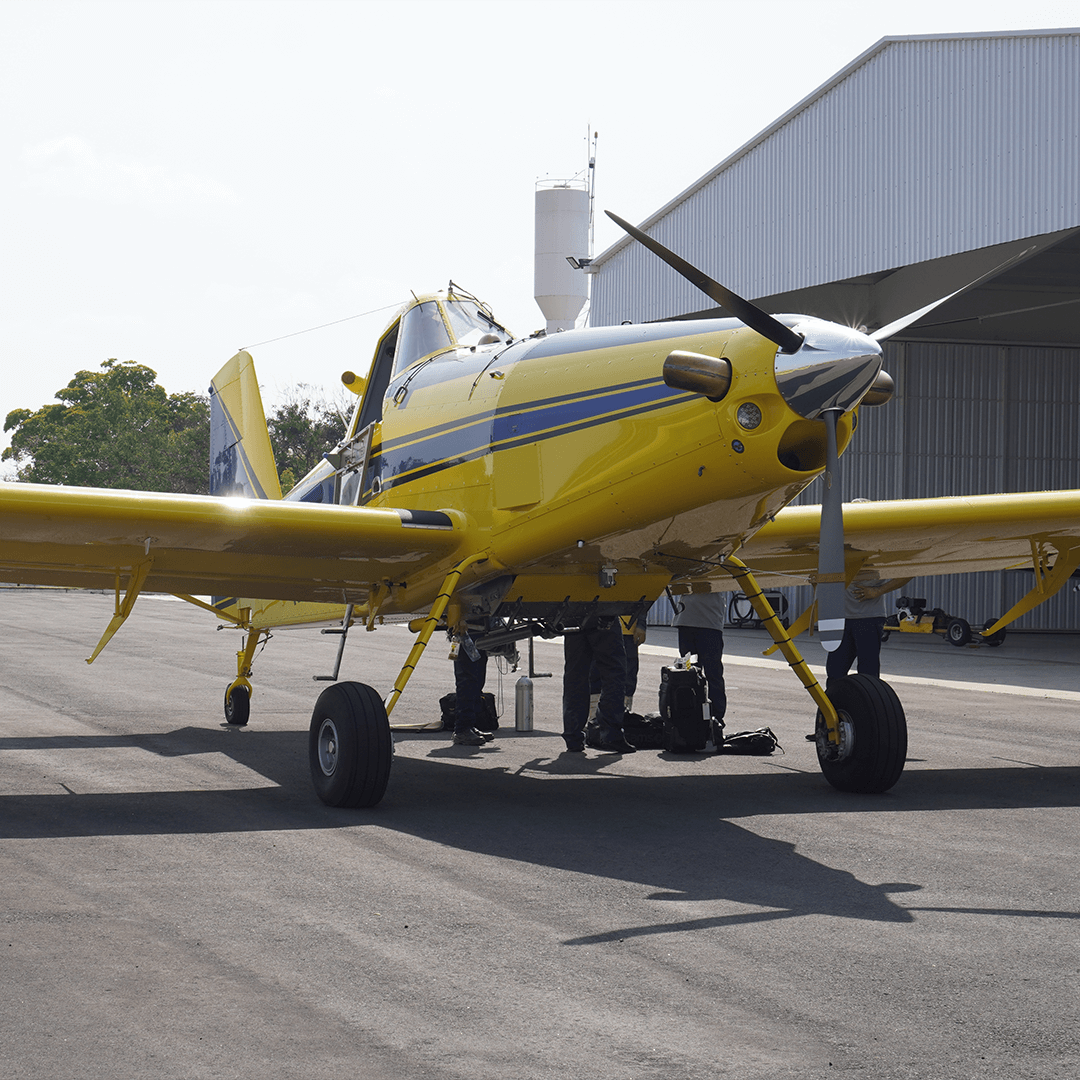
{"type": "Point", "coordinates": [748, 415]}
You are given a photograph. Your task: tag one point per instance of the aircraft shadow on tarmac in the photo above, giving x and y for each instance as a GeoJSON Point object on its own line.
{"type": "Point", "coordinates": [674, 833]}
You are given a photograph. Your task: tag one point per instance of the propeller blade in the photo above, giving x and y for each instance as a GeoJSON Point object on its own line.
{"type": "Point", "coordinates": [887, 331]}
{"type": "Point", "coordinates": [749, 313]}
{"type": "Point", "coordinates": [830, 580]}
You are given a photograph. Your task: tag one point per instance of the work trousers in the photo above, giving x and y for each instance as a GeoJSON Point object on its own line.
{"type": "Point", "coordinates": [708, 644]}
{"type": "Point", "coordinates": [862, 642]}
{"type": "Point", "coordinates": [469, 679]}
{"type": "Point", "coordinates": [581, 651]}
{"type": "Point", "coordinates": [630, 651]}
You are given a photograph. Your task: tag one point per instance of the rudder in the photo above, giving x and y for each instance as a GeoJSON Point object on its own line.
{"type": "Point", "coordinates": [241, 457]}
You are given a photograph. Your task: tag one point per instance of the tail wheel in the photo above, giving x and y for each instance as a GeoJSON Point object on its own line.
{"type": "Point", "coordinates": [350, 747]}
{"type": "Point", "coordinates": [873, 736]}
{"type": "Point", "coordinates": [994, 640]}
{"type": "Point", "coordinates": [958, 632]}
{"type": "Point", "coordinates": [237, 706]}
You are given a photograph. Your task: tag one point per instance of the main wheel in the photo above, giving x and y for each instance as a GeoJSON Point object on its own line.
{"type": "Point", "coordinates": [873, 736]}
{"type": "Point", "coordinates": [237, 706]}
{"type": "Point", "coordinates": [958, 632]}
{"type": "Point", "coordinates": [350, 747]}
{"type": "Point", "coordinates": [994, 640]}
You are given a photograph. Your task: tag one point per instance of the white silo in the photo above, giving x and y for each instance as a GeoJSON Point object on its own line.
{"type": "Point", "coordinates": [562, 231]}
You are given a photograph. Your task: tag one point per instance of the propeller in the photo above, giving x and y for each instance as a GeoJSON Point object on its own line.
{"type": "Point", "coordinates": [746, 312]}
{"type": "Point", "coordinates": [830, 578]}
{"type": "Point", "coordinates": [886, 332]}
{"type": "Point", "coordinates": [829, 376]}
{"type": "Point", "coordinates": [799, 385]}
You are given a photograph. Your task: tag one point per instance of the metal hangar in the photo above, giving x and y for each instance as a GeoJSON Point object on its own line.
{"type": "Point", "coordinates": [925, 164]}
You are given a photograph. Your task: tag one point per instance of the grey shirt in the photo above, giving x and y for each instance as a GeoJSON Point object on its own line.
{"type": "Point", "coordinates": [701, 609]}
{"type": "Point", "coordinates": [865, 609]}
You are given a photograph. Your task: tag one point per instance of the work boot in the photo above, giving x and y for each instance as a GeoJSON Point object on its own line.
{"type": "Point", "coordinates": [614, 742]}
{"type": "Point", "coordinates": [471, 737]}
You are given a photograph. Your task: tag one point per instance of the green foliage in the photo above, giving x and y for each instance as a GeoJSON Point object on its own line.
{"type": "Point", "coordinates": [115, 428]}
{"type": "Point", "coordinates": [302, 429]}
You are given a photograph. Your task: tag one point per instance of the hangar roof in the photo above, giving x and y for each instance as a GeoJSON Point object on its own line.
{"type": "Point", "coordinates": [920, 166]}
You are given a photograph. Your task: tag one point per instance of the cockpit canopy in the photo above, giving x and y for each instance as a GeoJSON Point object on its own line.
{"type": "Point", "coordinates": [433, 325]}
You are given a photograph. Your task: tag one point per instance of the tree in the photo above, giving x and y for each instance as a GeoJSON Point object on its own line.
{"type": "Point", "coordinates": [302, 429]}
{"type": "Point", "coordinates": [115, 428]}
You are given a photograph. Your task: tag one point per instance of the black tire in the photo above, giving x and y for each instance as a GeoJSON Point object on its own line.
{"type": "Point", "coordinates": [958, 632]}
{"type": "Point", "coordinates": [237, 706]}
{"type": "Point", "coordinates": [350, 747]}
{"type": "Point", "coordinates": [994, 640]}
{"type": "Point", "coordinates": [885, 635]}
{"type": "Point", "coordinates": [873, 736]}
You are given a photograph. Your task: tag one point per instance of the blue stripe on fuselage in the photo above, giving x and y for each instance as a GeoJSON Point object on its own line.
{"type": "Point", "coordinates": [418, 455]}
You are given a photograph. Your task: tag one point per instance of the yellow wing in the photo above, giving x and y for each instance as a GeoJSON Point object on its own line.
{"type": "Point", "coordinates": [916, 537]}
{"type": "Point", "coordinates": [95, 538]}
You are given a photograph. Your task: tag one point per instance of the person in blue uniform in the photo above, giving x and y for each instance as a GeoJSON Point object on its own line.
{"type": "Point", "coordinates": [470, 674]}
{"type": "Point", "coordinates": [597, 644]}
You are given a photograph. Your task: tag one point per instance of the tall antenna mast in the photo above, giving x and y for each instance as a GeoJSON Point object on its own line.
{"type": "Point", "coordinates": [591, 142]}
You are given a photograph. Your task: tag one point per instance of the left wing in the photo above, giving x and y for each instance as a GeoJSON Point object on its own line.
{"type": "Point", "coordinates": [190, 544]}
{"type": "Point", "coordinates": [918, 537]}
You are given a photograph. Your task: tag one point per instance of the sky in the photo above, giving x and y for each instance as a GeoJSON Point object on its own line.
{"type": "Point", "coordinates": [184, 179]}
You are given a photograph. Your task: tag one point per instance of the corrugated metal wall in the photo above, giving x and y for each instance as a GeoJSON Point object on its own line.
{"type": "Point", "coordinates": [922, 148]}
{"type": "Point", "coordinates": [919, 149]}
{"type": "Point", "coordinates": [970, 420]}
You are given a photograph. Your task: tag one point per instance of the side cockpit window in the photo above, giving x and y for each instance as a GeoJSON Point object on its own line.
{"type": "Point", "coordinates": [422, 333]}
{"type": "Point", "coordinates": [470, 323]}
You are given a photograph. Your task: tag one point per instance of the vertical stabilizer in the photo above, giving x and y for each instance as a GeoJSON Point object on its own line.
{"type": "Point", "coordinates": [241, 458]}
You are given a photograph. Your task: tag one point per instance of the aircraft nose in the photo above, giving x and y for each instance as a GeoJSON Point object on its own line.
{"type": "Point", "coordinates": [833, 369]}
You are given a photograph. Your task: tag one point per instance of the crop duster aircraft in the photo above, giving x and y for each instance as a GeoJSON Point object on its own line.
{"type": "Point", "coordinates": [513, 487]}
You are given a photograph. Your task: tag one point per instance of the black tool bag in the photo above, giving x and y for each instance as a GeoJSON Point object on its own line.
{"type": "Point", "coordinates": [488, 720]}
{"type": "Point", "coordinates": [684, 709]}
{"type": "Point", "coordinates": [644, 732]}
{"type": "Point", "coordinates": [762, 742]}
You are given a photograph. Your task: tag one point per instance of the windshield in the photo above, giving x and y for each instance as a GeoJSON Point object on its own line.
{"type": "Point", "coordinates": [422, 333]}
{"type": "Point", "coordinates": [468, 322]}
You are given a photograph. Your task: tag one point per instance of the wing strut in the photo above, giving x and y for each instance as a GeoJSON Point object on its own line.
{"type": "Point", "coordinates": [432, 620]}
{"type": "Point", "coordinates": [763, 609]}
{"type": "Point", "coordinates": [1047, 582]}
{"type": "Point", "coordinates": [122, 610]}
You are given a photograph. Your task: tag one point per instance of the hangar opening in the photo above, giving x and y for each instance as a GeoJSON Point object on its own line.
{"type": "Point", "coordinates": [927, 163]}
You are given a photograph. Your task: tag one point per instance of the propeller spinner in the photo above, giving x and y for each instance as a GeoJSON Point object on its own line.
{"type": "Point", "coordinates": [821, 372]}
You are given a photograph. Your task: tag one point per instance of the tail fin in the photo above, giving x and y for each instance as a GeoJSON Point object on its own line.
{"type": "Point", "coordinates": [241, 458]}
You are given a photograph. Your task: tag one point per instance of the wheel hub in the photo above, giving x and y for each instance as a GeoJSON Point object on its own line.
{"type": "Point", "coordinates": [828, 751]}
{"type": "Point", "coordinates": [328, 747]}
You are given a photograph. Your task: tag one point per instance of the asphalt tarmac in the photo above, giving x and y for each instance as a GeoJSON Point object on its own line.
{"type": "Point", "coordinates": [177, 903]}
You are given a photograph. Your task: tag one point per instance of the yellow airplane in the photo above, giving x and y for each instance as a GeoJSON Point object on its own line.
{"type": "Point", "coordinates": [506, 487]}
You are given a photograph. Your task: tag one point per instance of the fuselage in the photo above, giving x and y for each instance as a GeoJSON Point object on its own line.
{"type": "Point", "coordinates": [571, 462]}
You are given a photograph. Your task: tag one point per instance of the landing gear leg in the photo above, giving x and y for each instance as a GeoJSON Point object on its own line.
{"type": "Point", "coordinates": [238, 693]}
{"type": "Point", "coordinates": [873, 736]}
{"type": "Point", "coordinates": [861, 731]}
{"type": "Point", "coordinates": [350, 748]}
